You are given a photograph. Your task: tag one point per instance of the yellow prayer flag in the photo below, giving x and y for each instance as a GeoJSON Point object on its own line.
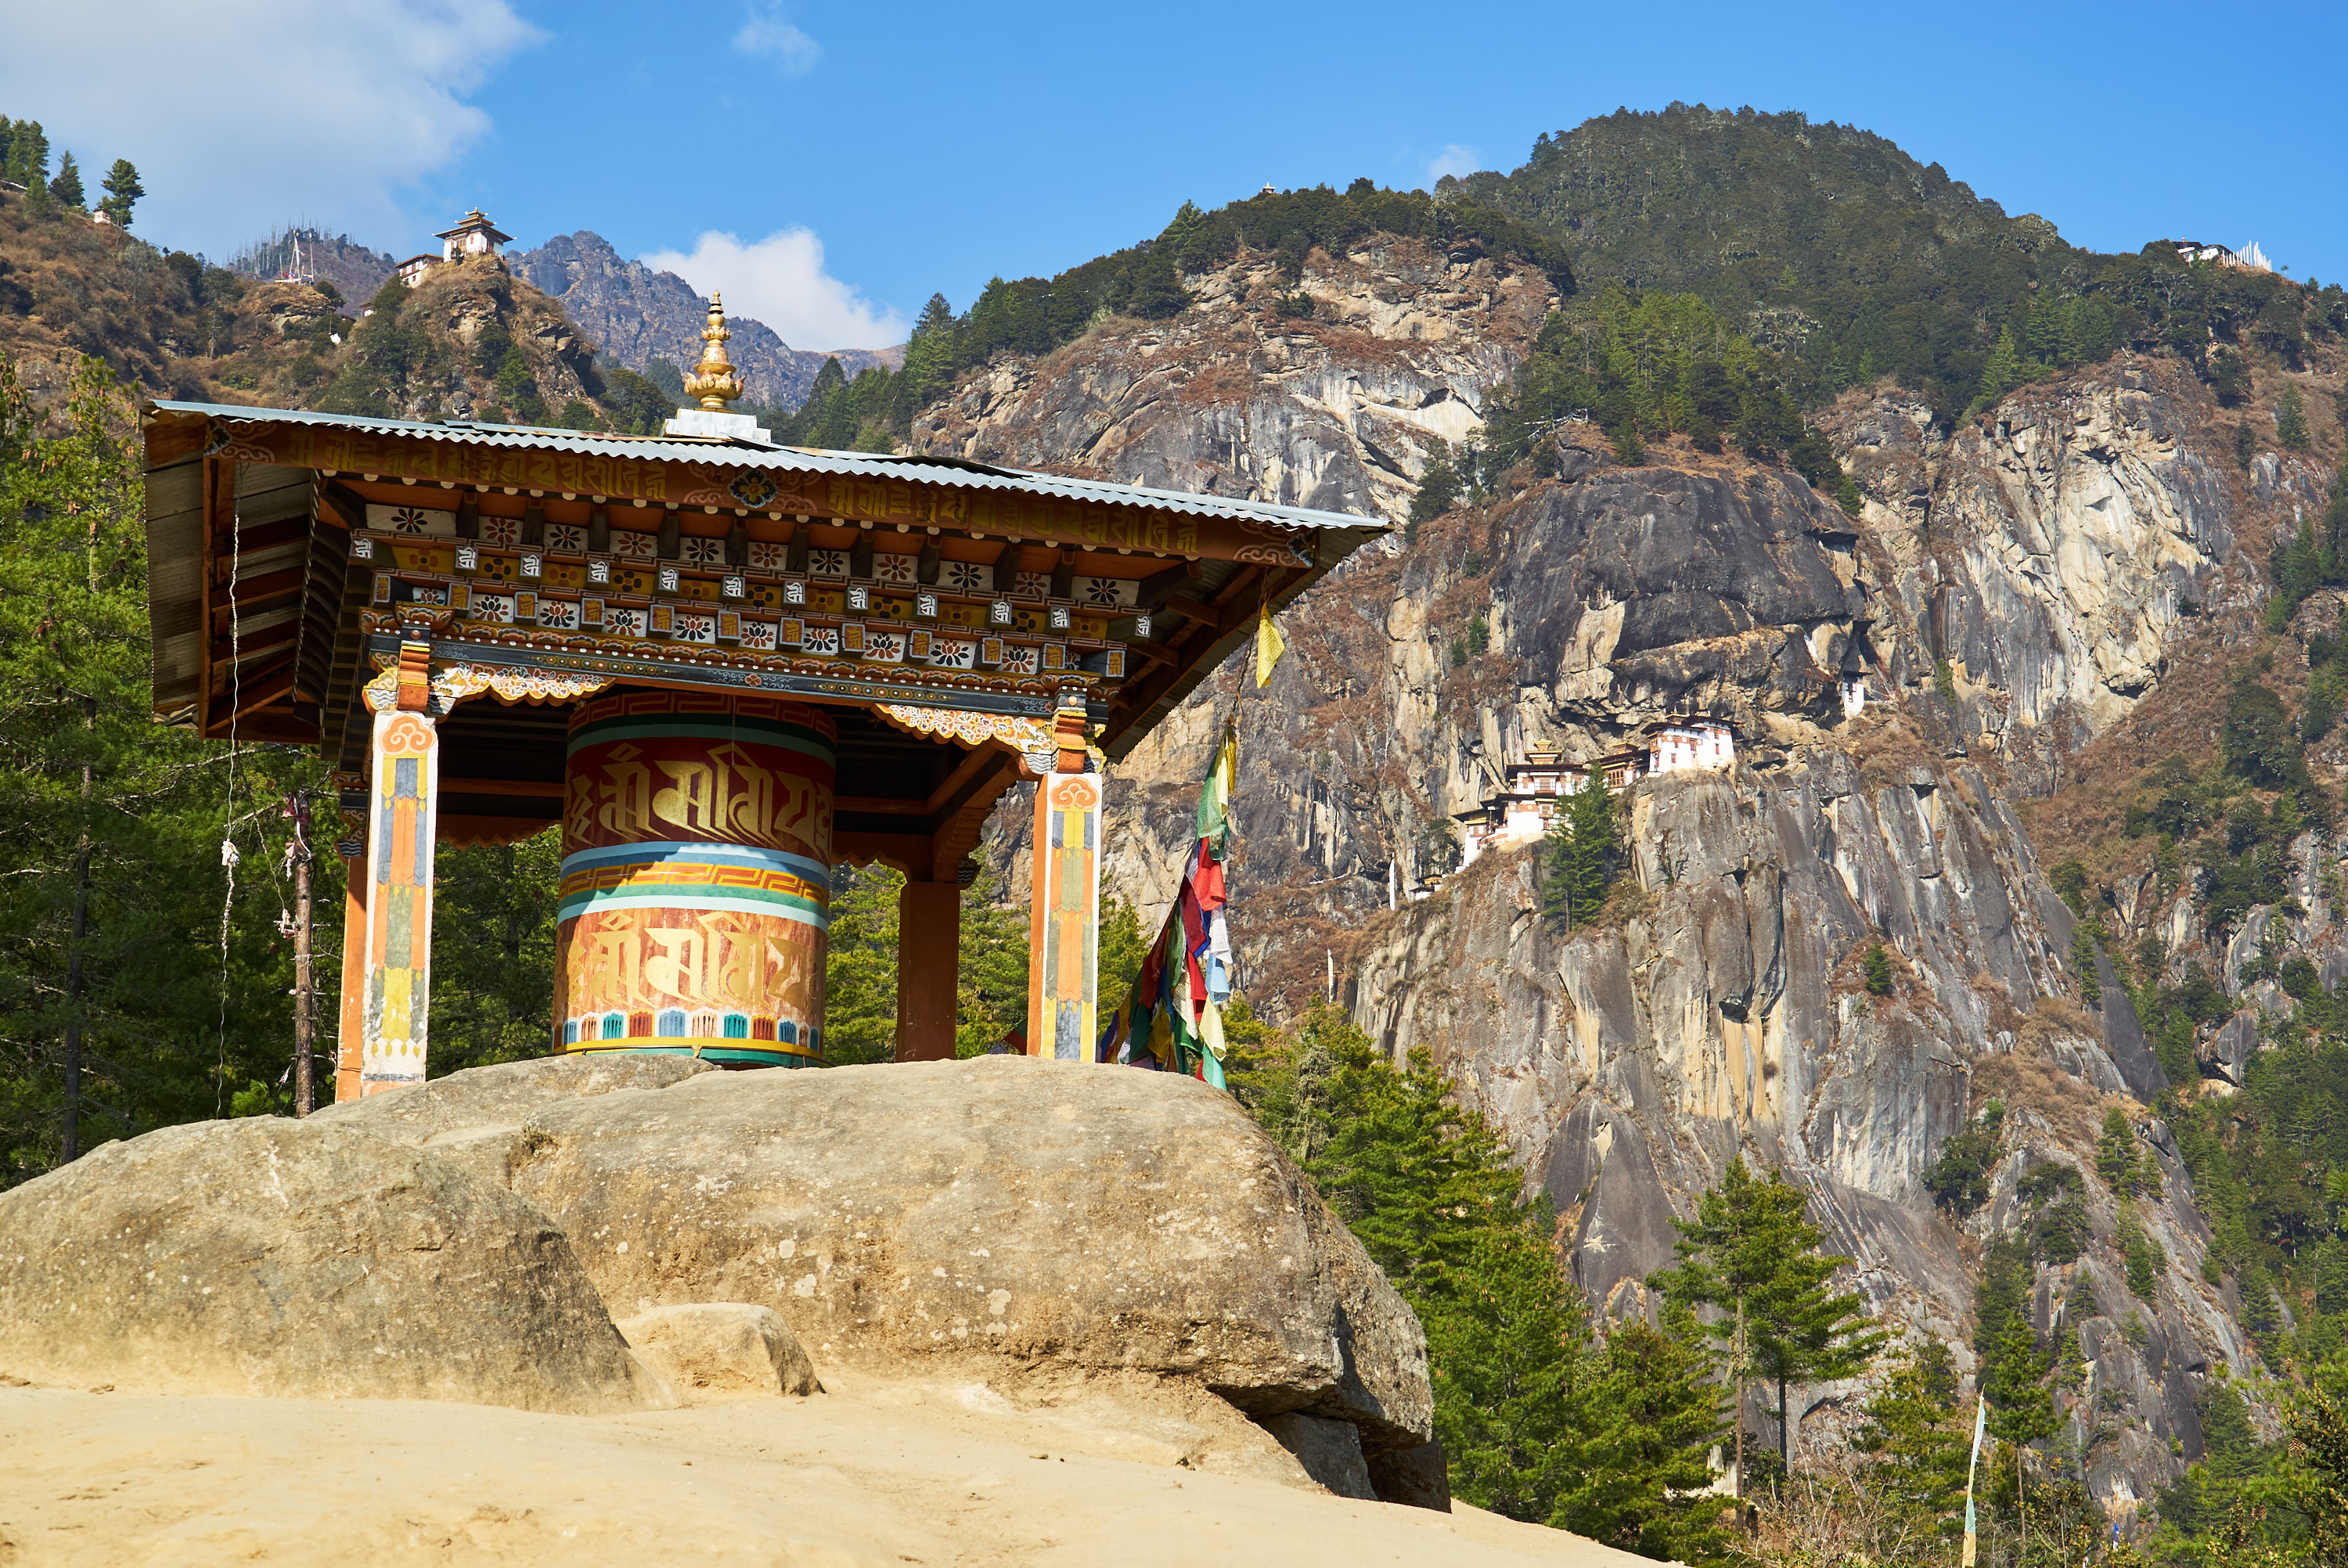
{"type": "Point", "coordinates": [1269, 645]}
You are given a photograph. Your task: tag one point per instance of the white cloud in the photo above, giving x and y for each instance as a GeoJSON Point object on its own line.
{"type": "Point", "coordinates": [780, 281]}
{"type": "Point", "coordinates": [767, 36]}
{"type": "Point", "coordinates": [242, 115]}
{"type": "Point", "coordinates": [1454, 160]}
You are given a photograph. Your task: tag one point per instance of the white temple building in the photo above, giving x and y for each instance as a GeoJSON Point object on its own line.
{"type": "Point", "coordinates": [474, 235]}
{"type": "Point", "coordinates": [1522, 811]}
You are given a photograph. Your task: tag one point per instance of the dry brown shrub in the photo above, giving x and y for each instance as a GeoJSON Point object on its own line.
{"type": "Point", "coordinates": [1831, 1515]}
{"type": "Point", "coordinates": [2027, 1076]}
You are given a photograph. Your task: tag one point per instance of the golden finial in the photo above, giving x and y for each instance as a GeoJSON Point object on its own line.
{"type": "Point", "coordinates": [715, 380]}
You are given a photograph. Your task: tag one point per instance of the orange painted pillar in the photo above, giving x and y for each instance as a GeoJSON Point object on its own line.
{"type": "Point", "coordinates": [928, 968]}
{"type": "Point", "coordinates": [353, 1028]}
{"type": "Point", "coordinates": [404, 800]}
{"type": "Point", "coordinates": [1064, 929]}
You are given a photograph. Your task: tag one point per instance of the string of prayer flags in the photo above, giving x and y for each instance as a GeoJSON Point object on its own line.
{"type": "Point", "coordinates": [1171, 1020]}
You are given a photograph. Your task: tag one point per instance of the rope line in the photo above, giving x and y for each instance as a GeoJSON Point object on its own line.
{"type": "Point", "coordinates": [229, 856]}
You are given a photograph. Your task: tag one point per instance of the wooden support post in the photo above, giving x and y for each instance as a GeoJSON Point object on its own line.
{"type": "Point", "coordinates": [352, 1029]}
{"type": "Point", "coordinates": [403, 793]}
{"type": "Point", "coordinates": [1064, 931]}
{"type": "Point", "coordinates": [304, 1032]}
{"type": "Point", "coordinates": [929, 964]}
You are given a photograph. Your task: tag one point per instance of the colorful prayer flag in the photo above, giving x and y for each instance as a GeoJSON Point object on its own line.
{"type": "Point", "coordinates": [1269, 645]}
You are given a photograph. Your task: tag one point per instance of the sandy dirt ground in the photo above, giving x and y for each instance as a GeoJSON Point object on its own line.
{"type": "Point", "coordinates": [869, 1473]}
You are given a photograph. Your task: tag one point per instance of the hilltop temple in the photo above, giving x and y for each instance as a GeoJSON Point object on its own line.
{"type": "Point", "coordinates": [722, 666]}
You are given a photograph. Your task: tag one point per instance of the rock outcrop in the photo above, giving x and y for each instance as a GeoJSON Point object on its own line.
{"type": "Point", "coordinates": [1007, 1211]}
{"type": "Point", "coordinates": [1240, 395]}
{"type": "Point", "coordinates": [263, 1258]}
{"type": "Point", "coordinates": [721, 1350]}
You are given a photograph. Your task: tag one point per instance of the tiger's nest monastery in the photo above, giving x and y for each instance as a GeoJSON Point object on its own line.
{"type": "Point", "coordinates": [721, 665]}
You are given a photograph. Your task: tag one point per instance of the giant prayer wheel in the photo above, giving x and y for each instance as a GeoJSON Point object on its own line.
{"type": "Point", "coordinates": [696, 876]}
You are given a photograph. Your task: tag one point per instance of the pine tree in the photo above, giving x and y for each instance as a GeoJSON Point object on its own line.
{"type": "Point", "coordinates": [1157, 287]}
{"type": "Point", "coordinates": [991, 984]}
{"type": "Point", "coordinates": [1877, 965]}
{"type": "Point", "coordinates": [2291, 418]}
{"type": "Point", "coordinates": [2004, 371]}
{"type": "Point", "coordinates": [2115, 1150]}
{"type": "Point", "coordinates": [1507, 1352]}
{"type": "Point", "coordinates": [2018, 1383]}
{"type": "Point", "coordinates": [1123, 949]}
{"type": "Point", "coordinates": [1641, 1465]}
{"type": "Point", "coordinates": [1578, 852]}
{"type": "Point", "coordinates": [1752, 1254]}
{"type": "Point", "coordinates": [122, 191]}
{"type": "Point", "coordinates": [929, 357]}
{"type": "Point", "coordinates": [65, 189]}
{"type": "Point", "coordinates": [1439, 489]}
{"type": "Point", "coordinates": [859, 1011]}
{"type": "Point", "coordinates": [1916, 1438]}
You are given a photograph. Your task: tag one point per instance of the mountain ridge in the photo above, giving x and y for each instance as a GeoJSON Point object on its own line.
{"type": "Point", "coordinates": [637, 315]}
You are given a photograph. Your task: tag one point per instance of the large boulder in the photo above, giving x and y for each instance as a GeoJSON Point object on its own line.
{"type": "Point", "coordinates": [1004, 1208]}
{"type": "Point", "coordinates": [267, 1257]}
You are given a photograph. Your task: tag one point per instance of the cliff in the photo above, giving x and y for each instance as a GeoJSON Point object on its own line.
{"type": "Point", "coordinates": [637, 315]}
{"type": "Point", "coordinates": [2022, 593]}
{"type": "Point", "coordinates": [1242, 393]}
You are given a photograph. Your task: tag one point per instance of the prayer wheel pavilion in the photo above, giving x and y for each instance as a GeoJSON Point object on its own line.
{"type": "Point", "coordinates": [722, 666]}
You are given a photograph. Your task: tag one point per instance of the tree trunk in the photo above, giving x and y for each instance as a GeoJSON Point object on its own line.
{"type": "Point", "coordinates": [72, 1130]}
{"type": "Point", "coordinates": [1784, 1439]}
{"type": "Point", "coordinates": [1737, 1491]}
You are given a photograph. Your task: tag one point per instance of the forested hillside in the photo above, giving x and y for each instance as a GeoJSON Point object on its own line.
{"type": "Point", "coordinates": [1831, 244]}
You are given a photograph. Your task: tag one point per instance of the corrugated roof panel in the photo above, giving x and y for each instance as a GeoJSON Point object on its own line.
{"type": "Point", "coordinates": [804, 460]}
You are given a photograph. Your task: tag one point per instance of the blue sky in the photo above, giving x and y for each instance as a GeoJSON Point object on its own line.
{"type": "Point", "coordinates": [851, 159]}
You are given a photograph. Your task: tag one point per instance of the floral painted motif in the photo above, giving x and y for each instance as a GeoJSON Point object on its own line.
{"type": "Point", "coordinates": [702, 552]}
{"type": "Point", "coordinates": [966, 577]}
{"type": "Point", "coordinates": [561, 614]}
{"type": "Point", "coordinates": [567, 536]}
{"type": "Point", "coordinates": [1106, 590]}
{"type": "Point", "coordinates": [953, 653]}
{"type": "Point", "coordinates": [884, 647]}
{"type": "Point", "coordinates": [501, 531]}
{"type": "Point", "coordinates": [766, 557]}
{"type": "Point", "coordinates": [1033, 584]}
{"type": "Point", "coordinates": [634, 547]}
{"type": "Point", "coordinates": [826, 563]}
{"type": "Point", "coordinates": [898, 569]}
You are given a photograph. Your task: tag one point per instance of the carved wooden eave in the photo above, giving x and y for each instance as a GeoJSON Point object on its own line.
{"type": "Point", "coordinates": [292, 554]}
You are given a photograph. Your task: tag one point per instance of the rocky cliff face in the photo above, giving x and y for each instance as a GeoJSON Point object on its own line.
{"type": "Point", "coordinates": [1243, 394]}
{"type": "Point", "coordinates": [2011, 593]}
{"type": "Point", "coordinates": [637, 315]}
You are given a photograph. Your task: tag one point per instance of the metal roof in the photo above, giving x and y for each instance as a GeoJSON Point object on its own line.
{"type": "Point", "coordinates": [961, 471]}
